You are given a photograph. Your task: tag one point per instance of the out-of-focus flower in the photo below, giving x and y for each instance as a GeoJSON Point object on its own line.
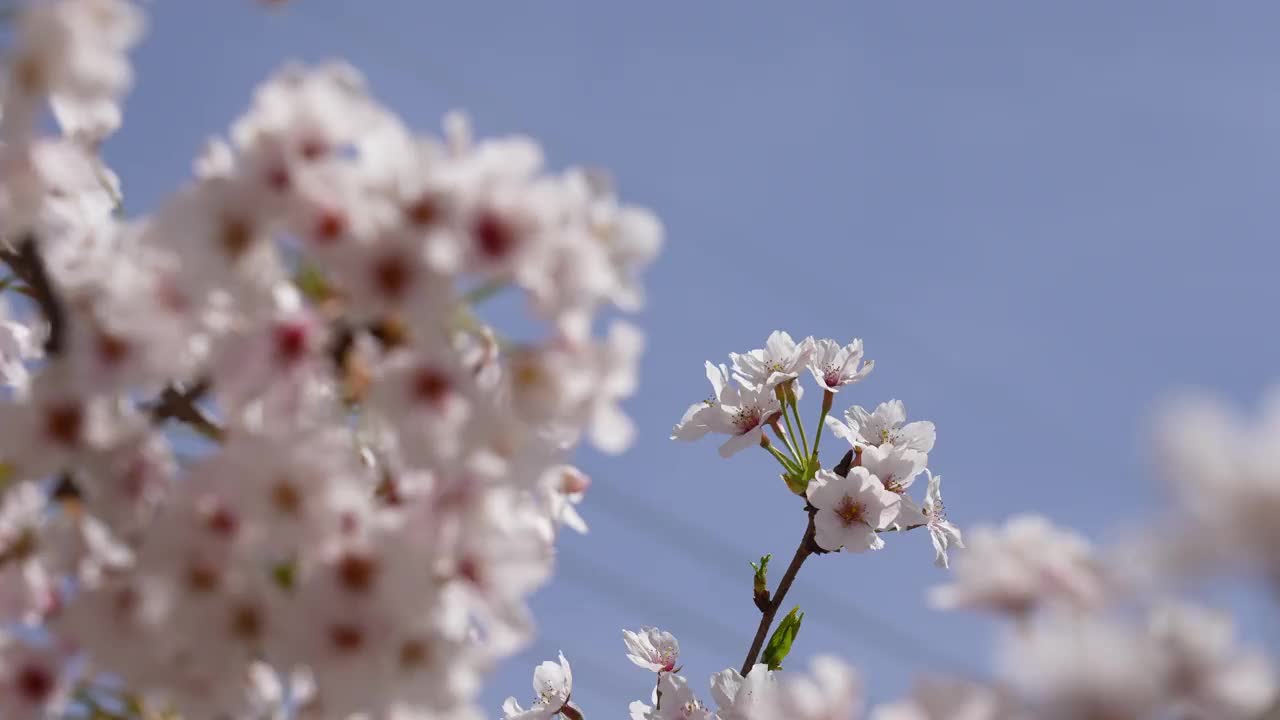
{"type": "Point", "coordinates": [1023, 565]}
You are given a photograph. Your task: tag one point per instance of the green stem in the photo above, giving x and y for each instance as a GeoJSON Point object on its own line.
{"type": "Point", "coordinates": [778, 431]}
{"type": "Point", "coordinates": [786, 463]}
{"type": "Point", "coordinates": [828, 398]}
{"type": "Point", "coordinates": [791, 432]}
{"type": "Point", "coordinates": [795, 410]}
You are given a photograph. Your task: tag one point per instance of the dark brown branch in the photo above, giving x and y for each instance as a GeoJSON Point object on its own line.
{"type": "Point", "coordinates": [25, 262]}
{"type": "Point", "coordinates": [180, 404]}
{"type": "Point", "coordinates": [808, 546]}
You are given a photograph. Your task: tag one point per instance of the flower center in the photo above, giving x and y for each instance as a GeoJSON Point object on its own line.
{"type": "Point", "coordinates": [746, 419]}
{"type": "Point", "coordinates": [668, 657]}
{"type": "Point", "coordinates": [849, 511]}
{"type": "Point", "coordinates": [831, 375]}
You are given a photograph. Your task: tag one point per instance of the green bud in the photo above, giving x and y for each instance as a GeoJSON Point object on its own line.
{"type": "Point", "coordinates": [760, 582]}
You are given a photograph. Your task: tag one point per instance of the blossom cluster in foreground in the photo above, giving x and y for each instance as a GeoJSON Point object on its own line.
{"type": "Point", "coordinates": [377, 476]}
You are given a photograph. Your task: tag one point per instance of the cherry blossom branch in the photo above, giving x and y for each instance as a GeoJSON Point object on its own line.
{"type": "Point", "coordinates": [808, 546]}
{"type": "Point", "coordinates": [25, 262]}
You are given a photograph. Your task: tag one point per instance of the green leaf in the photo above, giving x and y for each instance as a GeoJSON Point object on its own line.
{"type": "Point", "coordinates": [780, 644]}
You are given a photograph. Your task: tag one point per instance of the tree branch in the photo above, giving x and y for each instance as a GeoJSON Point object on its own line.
{"type": "Point", "coordinates": [25, 262]}
{"type": "Point", "coordinates": [807, 547]}
{"type": "Point", "coordinates": [180, 404]}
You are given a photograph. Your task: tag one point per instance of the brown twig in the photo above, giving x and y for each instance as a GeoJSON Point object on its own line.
{"type": "Point", "coordinates": [180, 404]}
{"type": "Point", "coordinates": [25, 262]}
{"type": "Point", "coordinates": [807, 547]}
{"type": "Point", "coordinates": [769, 605]}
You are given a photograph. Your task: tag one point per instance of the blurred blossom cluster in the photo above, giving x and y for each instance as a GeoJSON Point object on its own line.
{"type": "Point", "coordinates": [262, 456]}
{"type": "Point", "coordinates": [376, 476]}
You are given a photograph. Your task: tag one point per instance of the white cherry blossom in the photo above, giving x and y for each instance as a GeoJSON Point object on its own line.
{"type": "Point", "coordinates": [735, 410]}
{"type": "Point", "coordinates": [834, 366]}
{"type": "Point", "coordinates": [652, 649]}
{"type": "Point", "coordinates": [886, 425]}
{"type": "Point", "coordinates": [850, 510]}
{"type": "Point", "coordinates": [779, 361]}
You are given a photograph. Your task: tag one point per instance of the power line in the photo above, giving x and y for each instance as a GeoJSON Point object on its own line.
{"type": "Point", "coordinates": [714, 552]}
{"type": "Point", "coordinates": [603, 580]}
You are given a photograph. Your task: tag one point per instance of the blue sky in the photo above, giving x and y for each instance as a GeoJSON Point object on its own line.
{"type": "Point", "coordinates": [1039, 217]}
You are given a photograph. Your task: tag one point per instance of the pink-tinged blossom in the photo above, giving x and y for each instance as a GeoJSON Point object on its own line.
{"type": "Point", "coordinates": [1209, 673]}
{"type": "Point", "coordinates": [739, 698]}
{"type": "Point", "coordinates": [942, 533]}
{"type": "Point", "coordinates": [936, 698]}
{"type": "Point", "coordinates": [552, 688]}
{"type": "Point", "coordinates": [34, 682]}
{"type": "Point", "coordinates": [678, 702]}
{"type": "Point", "coordinates": [733, 409]}
{"type": "Point", "coordinates": [1224, 470]}
{"type": "Point", "coordinates": [886, 425]}
{"type": "Point", "coordinates": [780, 361]}
{"type": "Point", "coordinates": [896, 467]}
{"type": "Point", "coordinates": [1022, 566]}
{"type": "Point", "coordinates": [850, 510]}
{"type": "Point", "coordinates": [1068, 666]}
{"type": "Point", "coordinates": [831, 690]}
{"type": "Point", "coordinates": [834, 366]}
{"type": "Point", "coordinates": [652, 649]}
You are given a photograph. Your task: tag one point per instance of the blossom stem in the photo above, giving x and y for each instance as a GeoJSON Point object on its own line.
{"type": "Point", "coordinates": [807, 545]}
{"type": "Point", "coordinates": [777, 430]}
{"type": "Point", "coordinates": [828, 399]}
{"type": "Point", "coordinates": [791, 432]}
{"type": "Point", "coordinates": [795, 411]}
{"type": "Point", "coordinates": [786, 463]}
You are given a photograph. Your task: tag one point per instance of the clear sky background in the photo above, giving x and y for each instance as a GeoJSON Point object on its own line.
{"type": "Point", "coordinates": [1038, 216]}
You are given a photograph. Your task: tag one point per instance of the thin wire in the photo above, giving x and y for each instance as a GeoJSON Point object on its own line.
{"type": "Point", "coordinates": [715, 553]}
{"type": "Point", "coordinates": [603, 580]}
